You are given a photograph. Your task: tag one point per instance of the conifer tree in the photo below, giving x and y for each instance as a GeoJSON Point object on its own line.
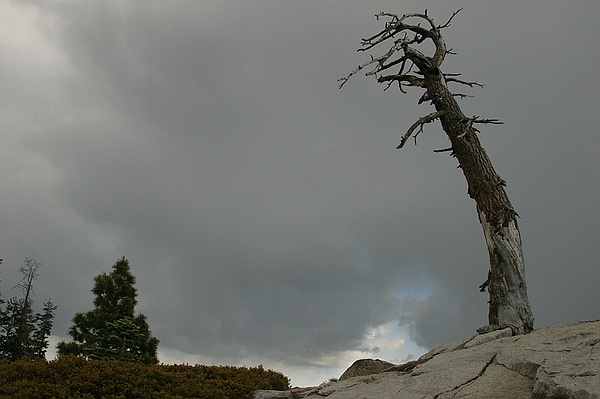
{"type": "Point", "coordinates": [24, 333]}
{"type": "Point", "coordinates": [112, 330]}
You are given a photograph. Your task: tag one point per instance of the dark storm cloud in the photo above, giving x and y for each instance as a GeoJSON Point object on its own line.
{"type": "Point", "coordinates": [266, 213]}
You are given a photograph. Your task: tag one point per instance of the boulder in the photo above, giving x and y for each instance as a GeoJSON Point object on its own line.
{"type": "Point", "coordinates": [365, 367]}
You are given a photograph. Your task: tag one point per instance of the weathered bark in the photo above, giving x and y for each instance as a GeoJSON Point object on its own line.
{"type": "Point", "coordinates": [508, 303]}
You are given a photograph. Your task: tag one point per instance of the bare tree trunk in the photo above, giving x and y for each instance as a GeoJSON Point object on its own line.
{"type": "Point", "coordinates": [508, 304]}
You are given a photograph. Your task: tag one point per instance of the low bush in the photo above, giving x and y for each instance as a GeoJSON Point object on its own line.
{"type": "Point", "coordinates": [74, 377]}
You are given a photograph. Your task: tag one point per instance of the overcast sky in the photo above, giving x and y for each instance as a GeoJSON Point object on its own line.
{"type": "Point", "coordinates": [266, 214]}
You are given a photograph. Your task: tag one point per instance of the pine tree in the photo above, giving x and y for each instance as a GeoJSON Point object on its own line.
{"type": "Point", "coordinates": [24, 333]}
{"type": "Point", "coordinates": [112, 330]}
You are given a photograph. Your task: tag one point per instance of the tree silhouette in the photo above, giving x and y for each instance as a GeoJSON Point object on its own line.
{"type": "Point", "coordinates": [404, 65]}
{"type": "Point", "coordinates": [112, 330]}
{"type": "Point", "coordinates": [24, 333]}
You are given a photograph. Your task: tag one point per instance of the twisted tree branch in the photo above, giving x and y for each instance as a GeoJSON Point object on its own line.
{"type": "Point", "coordinates": [405, 36]}
{"type": "Point", "coordinates": [419, 124]}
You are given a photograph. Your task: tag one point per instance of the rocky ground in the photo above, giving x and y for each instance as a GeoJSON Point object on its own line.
{"type": "Point", "coordinates": [552, 362]}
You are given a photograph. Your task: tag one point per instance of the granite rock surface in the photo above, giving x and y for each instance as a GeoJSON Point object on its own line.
{"type": "Point", "coordinates": [552, 362]}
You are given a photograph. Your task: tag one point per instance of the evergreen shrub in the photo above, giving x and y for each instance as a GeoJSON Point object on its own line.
{"type": "Point", "coordinates": [76, 377]}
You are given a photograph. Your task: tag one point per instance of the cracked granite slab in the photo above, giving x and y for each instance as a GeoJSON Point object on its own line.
{"type": "Point", "coordinates": [552, 362]}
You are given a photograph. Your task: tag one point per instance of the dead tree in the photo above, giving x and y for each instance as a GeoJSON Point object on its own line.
{"type": "Point", "coordinates": [404, 65]}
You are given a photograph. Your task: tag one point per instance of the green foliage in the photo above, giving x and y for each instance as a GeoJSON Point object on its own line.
{"type": "Point", "coordinates": [112, 330]}
{"type": "Point", "coordinates": [75, 377]}
{"type": "Point", "coordinates": [24, 333]}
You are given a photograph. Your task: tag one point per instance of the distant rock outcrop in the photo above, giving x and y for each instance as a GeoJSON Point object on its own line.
{"type": "Point", "coordinates": [365, 367]}
{"type": "Point", "coordinates": [552, 362]}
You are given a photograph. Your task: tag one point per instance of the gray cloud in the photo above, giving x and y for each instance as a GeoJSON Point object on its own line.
{"type": "Point", "coordinates": [266, 213]}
